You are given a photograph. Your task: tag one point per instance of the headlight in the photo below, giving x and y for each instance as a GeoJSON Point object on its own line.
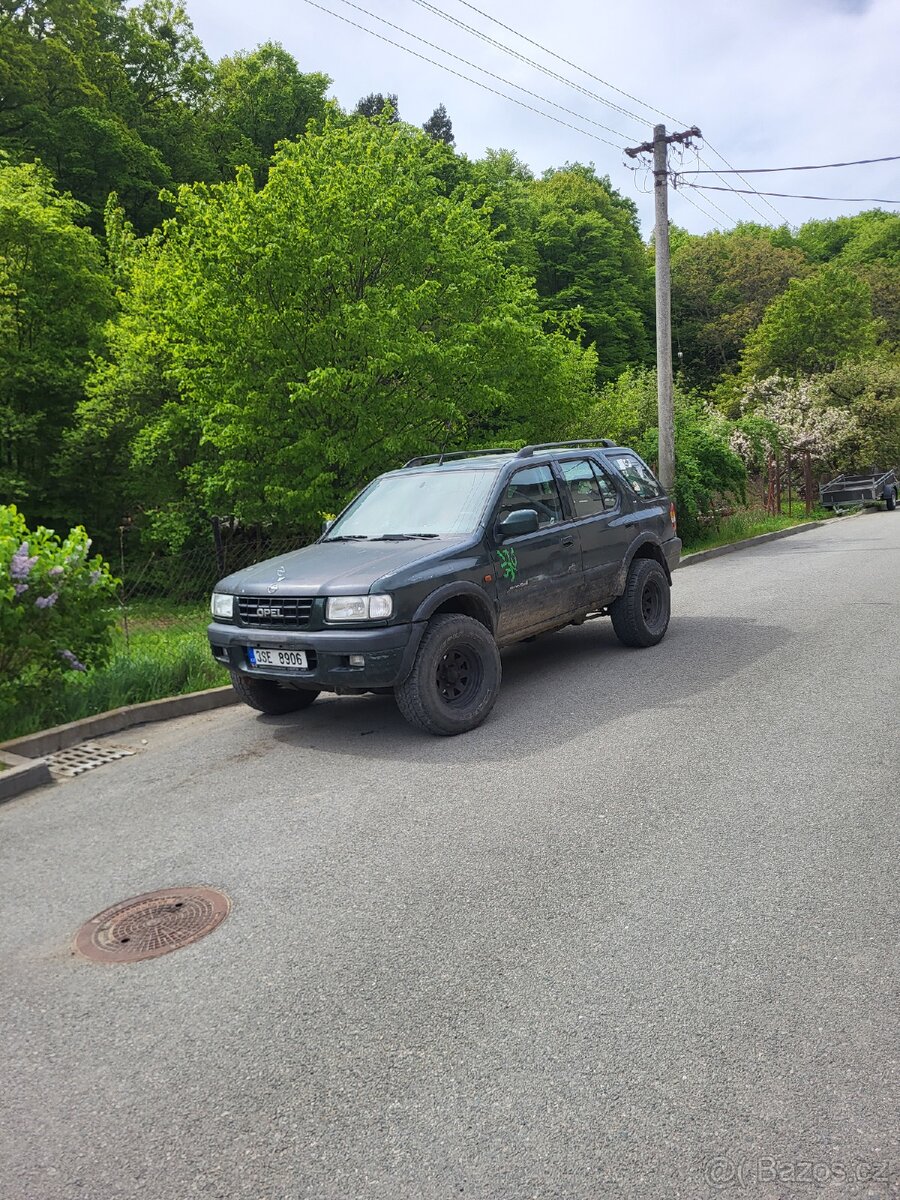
{"type": "Point", "coordinates": [222, 606]}
{"type": "Point", "coordinates": [358, 608]}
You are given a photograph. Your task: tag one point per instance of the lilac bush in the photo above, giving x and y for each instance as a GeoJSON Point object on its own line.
{"type": "Point", "coordinates": [57, 605]}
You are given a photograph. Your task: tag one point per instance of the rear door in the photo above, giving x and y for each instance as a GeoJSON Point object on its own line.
{"type": "Point", "coordinates": [538, 575]}
{"type": "Point", "coordinates": [650, 503]}
{"type": "Point", "coordinates": [603, 526]}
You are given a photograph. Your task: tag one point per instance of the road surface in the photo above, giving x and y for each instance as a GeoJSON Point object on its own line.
{"type": "Point", "coordinates": [634, 937]}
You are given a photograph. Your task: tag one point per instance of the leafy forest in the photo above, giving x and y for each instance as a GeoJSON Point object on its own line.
{"type": "Point", "coordinates": [222, 295]}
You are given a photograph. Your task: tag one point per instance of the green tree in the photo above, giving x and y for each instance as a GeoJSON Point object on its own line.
{"type": "Point", "coordinates": [376, 104]}
{"type": "Point", "coordinates": [440, 127]}
{"type": "Point", "coordinates": [815, 324]}
{"type": "Point", "coordinates": [504, 184]}
{"type": "Point", "coordinates": [722, 284]}
{"type": "Point", "coordinates": [592, 265]}
{"type": "Point", "coordinates": [54, 294]}
{"type": "Point", "coordinates": [279, 347]}
{"type": "Point", "coordinates": [257, 99]}
{"type": "Point", "coordinates": [103, 97]}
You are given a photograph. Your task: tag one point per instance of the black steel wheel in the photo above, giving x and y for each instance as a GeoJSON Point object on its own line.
{"type": "Point", "coordinates": [455, 678]}
{"type": "Point", "coordinates": [640, 616]}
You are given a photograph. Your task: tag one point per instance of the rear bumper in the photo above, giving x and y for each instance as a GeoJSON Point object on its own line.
{"type": "Point", "coordinates": [389, 653]}
{"type": "Point", "coordinates": [672, 550]}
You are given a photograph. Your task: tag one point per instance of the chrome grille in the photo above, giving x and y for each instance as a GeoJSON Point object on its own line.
{"type": "Point", "coordinates": [275, 612]}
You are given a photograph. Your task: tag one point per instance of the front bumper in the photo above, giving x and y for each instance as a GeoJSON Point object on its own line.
{"type": "Point", "coordinates": [389, 653]}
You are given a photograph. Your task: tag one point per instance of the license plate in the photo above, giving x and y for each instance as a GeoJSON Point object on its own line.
{"type": "Point", "coordinates": [276, 658]}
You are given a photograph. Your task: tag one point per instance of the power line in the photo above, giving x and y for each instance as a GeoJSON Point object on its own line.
{"type": "Point", "coordinates": [439, 12]}
{"type": "Point", "coordinates": [711, 187]}
{"type": "Point", "coordinates": [590, 74]}
{"type": "Point", "coordinates": [568, 62]}
{"type": "Point", "coordinates": [750, 188]}
{"type": "Point", "coordinates": [704, 212]}
{"type": "Point", "coordinates": [483, 70]}
{"type": "Point", "coordinates": [442, 66]}
{"type": "Point", "coordinates": [860, 162]}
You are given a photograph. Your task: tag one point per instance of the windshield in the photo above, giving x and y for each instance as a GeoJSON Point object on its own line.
{"type": "Point", "coordinates": [424, 504]}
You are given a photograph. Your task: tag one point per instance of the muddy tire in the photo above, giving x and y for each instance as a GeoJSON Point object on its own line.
{"type": "Point", "coordinates": [455, 679]}
{"type": "Point", "coordinates": [268, 697]}
{"type": "Point", "coordinates": [640, 616]}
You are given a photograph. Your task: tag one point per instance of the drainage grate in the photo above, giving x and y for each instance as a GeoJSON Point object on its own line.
{"type": "Point", "coordinates": [152, 924]}
{"type": "Point", "coordinates": [77, 759]}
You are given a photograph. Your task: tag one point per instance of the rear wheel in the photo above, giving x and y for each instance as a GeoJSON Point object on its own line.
{"type": "Point", "coordinates": [455, 679]}
{"type": "Point", "coordinates": [891, 500]}
{"type": "Point", "coordinates": [640, 616]}
{"type": "Point", "coordinates": [269, 697]}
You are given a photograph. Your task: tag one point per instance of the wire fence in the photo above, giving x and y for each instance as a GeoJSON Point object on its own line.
{"type": "Point", "coordinates": [169, 593]}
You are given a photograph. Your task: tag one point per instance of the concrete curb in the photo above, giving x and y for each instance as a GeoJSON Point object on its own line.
{"type": "Point", "coordinates": [48, 741]}
{"type": "Point", "coordinates": [21, 774]}
{"type": "Point", "coordinates": [717, 551]}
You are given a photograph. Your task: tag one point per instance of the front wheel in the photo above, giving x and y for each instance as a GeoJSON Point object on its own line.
{"type": "Point", "coordinates": [891, 501]}
{"type": "Point", "coordinates": [269, 697]}
{"type": "Point", "coordinates": [640, 616]}
{"type": "Point", "coordinates": [455, 679]}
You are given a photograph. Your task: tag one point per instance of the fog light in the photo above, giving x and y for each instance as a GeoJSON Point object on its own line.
{"type": "Point", "coordinates": [357, 660]}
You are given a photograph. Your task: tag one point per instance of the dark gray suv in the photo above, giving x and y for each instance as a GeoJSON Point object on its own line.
{"type": "Point", "coordinates": [433, 568]}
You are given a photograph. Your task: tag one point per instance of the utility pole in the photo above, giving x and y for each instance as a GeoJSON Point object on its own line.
{"type": "Point", "coordinates": [666, 414]}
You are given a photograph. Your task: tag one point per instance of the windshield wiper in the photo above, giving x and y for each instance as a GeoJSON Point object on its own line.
{"type": "Point", "coordinates": [403, 537]}
{"type": "Point", "coordinates": [347, 537]}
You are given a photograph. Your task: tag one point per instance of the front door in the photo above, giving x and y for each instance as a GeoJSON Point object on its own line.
{"type": "Point", "coordinates": [538, 575]}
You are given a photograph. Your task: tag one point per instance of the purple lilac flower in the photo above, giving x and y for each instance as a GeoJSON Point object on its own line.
{"type": "Point", "coordinates": [95, 575]}
{"type": "Point", "coordinates": [54, 572]}
{"type": "Point", "coordinates": [72, 660]}
{"type": "Point", "coordinates": [19, 588]}
{"type": "Point", "coordinates": [46, 601]}
{"type": "Point", "coordinates": [20, 564]}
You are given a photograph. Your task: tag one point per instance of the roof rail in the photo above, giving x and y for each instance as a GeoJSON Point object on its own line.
{"type": "Point", "coordinates": [439, 458]}
{"type": "Point", "coordinates": [528, 451]}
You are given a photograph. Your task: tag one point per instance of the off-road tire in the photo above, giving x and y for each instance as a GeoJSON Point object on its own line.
{"type": "Point", "coordinates": [266, 696]}
{"type": "Point", "coordinates": [640, 616]}
{"type": "Point", "coordinates": [455, 678]}
{"type": "Point", "coordinates": [890, 501]}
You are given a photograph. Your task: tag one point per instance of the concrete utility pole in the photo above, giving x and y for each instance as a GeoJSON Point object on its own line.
{"type": "Point", "coordinates": [659, 148]}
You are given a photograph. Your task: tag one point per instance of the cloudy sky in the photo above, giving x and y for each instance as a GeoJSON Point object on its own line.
{"type": "Point", "coordinates": [769, 83]}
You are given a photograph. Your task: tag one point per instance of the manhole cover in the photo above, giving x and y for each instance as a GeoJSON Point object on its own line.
{"type": "Point", "coordinates": [152, 924]}
{"type": "Point", "coordinates": [77, 759]}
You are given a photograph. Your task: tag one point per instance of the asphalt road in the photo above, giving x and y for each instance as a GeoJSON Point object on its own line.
{"type": "Point", "coordinates": [634, 937]}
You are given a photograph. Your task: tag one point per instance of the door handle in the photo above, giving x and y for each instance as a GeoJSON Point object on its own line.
{"type": "Point", "coordinates": [567, 541]}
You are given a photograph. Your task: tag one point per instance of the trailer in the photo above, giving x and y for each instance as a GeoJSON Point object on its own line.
{"type": "Point", "coordinates": [871, 487]}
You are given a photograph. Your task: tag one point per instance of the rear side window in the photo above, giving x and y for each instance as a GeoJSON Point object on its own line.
{"type": "Point", "coordinates": [639, 478]}
{"type": "Point", "coordinates": [591, 491]}
{"type": "Point", "coordinates": [533, 487]}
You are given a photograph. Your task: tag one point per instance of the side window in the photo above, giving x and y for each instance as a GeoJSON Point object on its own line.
{"type": "Point", "coordinates": [591, 491]}
{"type": "Point", "coordinates": [585, 489]}
{"type": "Point", "coordinates": [639, 478]}
{"type": "Point", "coordinates": [533, 487]}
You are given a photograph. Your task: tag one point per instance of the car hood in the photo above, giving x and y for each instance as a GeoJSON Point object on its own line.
{"type": "Point", "coordinates": [335, 568]}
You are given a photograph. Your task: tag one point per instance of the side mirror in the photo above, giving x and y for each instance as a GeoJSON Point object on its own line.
{"type": "Point", "coordinates": [326, 525]}
{"type": "Point", "coordinates": [522, 521]}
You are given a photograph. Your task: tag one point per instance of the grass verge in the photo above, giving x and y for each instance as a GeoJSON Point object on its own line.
{"type": "Point", "coordinates": [750, 523]}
